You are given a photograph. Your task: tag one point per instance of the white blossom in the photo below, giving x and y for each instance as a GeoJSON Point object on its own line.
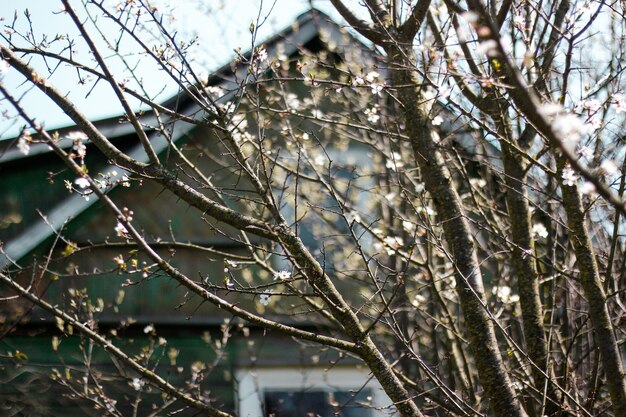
{"type": "Point", "coordinates": [395, 161]}
{"type": "Point", "coordinates": [148, 329]}
{"type": "Point", "coordinates": [505, 294]}
{"type": "Point", "coordinates": [390, 196]}
{"type": "Point", "coordinates": [393, 243]}
{"type": "Point", "coordinates": [376, 88]}
{"type": "Point", "coordinates": [371, 76]}
{"type": "Point", "coordinates": [408, 226]}
{"type": "Point", "coordinates": [81, 182]}
{"type": "Point", "coordinates": [437, 121]}
{"type": "Point", "coordinates": [372, 114]}
{"type": "Point", "coordinates": [137, 384]}
{"type": "Point", "coordinates": [214, 91]}
{"type": "Point", "coordinates": [23, 142]}
{"type": "Point", "coordinates": [418, 300]}
{"type": "Point", "coordinates": [292, 101]}
{"type": "Point", "coordinates": [540, 230]}
{"type": "Point", "coordinates": [358, 81]}
{"type": "Point", "coordinates": [119, 260]}
{"type": "Point", "coordinates": [569, 176]}
{"type": "Point", "coordinates": [110, 405]}
{"type": "Point", "coordinates": [518, 386]}
{"type": "Point", "coordinates": [261, 54]}
{"type": "Point", "coordinates": [77, 135]}
{"type": "Point", "coordinates": [265, 299]}
{"type": "Point", "coordinates": [425, 210]}
{"type": "Point", "coordinates": [319, 160]}
{"type": "Point", "coordinates": [282, 276]}
{"type": "Point", "coordinates": [120, 230]}
{"type": "Point", "coordinates": [478, 182]}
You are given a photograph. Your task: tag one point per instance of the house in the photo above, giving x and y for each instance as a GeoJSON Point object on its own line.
{"type": "Point", "coordinates": [235, 366]}
{"type": "Point", "coordinates": [223, 360]}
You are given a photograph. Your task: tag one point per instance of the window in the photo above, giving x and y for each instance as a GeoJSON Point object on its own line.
{"type": "Point", "coordinates": [286, 403]}
{"type": "Point", "coordinates": [287, 392]}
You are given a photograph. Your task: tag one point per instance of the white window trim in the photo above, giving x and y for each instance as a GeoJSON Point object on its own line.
{"type": "Point", "coordinates": [252, 382]}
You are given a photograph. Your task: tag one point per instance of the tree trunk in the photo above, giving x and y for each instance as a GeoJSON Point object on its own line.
{"type": "Point", "coordinates": [524, 265]}
{"type": "Point", "coordinates": [592, 287]}
{"type": "Point", "coordinates": [438, 182]}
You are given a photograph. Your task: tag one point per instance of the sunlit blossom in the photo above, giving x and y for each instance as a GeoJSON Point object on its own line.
{"type": "Point", "coordinates": [425, 210]}
{"type": "Point", "coordinates": [418, 300]}
{"type": "Point", "coordinates": [376, 89]}
{"type": "Point", "coordinates": [137, 384]}
{"type": "Point", "coordinates": [395, 161]}
{"type": "Point", "coordinates": [371, 76]}
{"type": "Point", "coordinates": [125, 181]}
{"type": "Point", "coordinates": [408, 226]}
{"type": "Point", "coordinates": [292, 101]}
{"type": "Point", "coordinates": [569, 176]}
{"type": "Point", "coordinates": [372, 114]}
{"type": "Point", "coordinates": [265, 299]}
{"type": "Point", "coordinates": [81, 182]}
{"type": "Point", "coordinates": [110, 405]}
{"type": "Point", "coordinates": [119, 260]}
{"type": "Point", "coordinates": [121, 230]}
{"type": "Point", "coordinates": [393, 243]}
{"type": "Point", "coordinates": [23, 142]}
{"type": "Point", "coordinates": [505, 294]}
{"type": "Point", "coordinates": [540, 230]}
{"type": "Point", "coordinates": [282, 276]}
{"type": "Point", "coordinates": [261, 54]}
{"type": "Point", "coordinates": [77, 135]}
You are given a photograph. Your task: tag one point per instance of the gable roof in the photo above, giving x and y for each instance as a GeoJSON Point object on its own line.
{"type": "Point", "coordinates": [305, 28]}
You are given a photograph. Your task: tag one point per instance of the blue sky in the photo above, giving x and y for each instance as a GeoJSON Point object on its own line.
{"type": "Point", "coordinates": [221, 26]}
